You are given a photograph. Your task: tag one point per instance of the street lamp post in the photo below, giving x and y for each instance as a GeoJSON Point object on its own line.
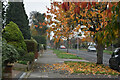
{"type": "Point", "coordinates": [77, 43]}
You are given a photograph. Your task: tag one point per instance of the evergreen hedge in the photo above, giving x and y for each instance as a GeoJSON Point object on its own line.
{"type": "Point", "coordinates": [14, 37]}
{"type": "Point", "coordinates": [31, 45]}
{"type": "Point", "coordinates": [40, 39]}
{"type": "Point", "coordinates": [9, 53]}
{"type": "Point", "coordinates": [16, 12]}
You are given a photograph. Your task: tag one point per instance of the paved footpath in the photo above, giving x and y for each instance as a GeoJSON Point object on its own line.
{"type": "Point", "coordinates": [44, 68]}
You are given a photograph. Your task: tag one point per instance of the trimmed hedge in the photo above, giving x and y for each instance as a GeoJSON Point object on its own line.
{"type": "Point", "coordinates": [9, 53]}
{"type": "Point", "coordinates": [40, 39]}
{"type": "Point", "coordinates": [31, 45]}
{"type": "Point", "coordinates": [42, 46]}
{"type": "Point", "coordinates": [28, 57]}
{"type": "Point", "coordinates": [14, 37]}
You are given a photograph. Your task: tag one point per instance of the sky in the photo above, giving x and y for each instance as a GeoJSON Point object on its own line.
{"type": "Point", "coordinates": [36, 5]}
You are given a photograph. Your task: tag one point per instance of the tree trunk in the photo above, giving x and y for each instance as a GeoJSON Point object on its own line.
{"type": "Point", "coordinates": [100, 48]}
{"type": "Point", "coordinates": [67, 45]}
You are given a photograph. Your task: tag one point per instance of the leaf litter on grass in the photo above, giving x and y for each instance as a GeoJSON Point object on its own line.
{"type": "Point", "coordinates": [78, 67]}
{"type": "Point", "coordinates": [87, 68]}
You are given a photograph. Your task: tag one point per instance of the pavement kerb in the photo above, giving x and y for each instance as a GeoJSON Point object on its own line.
{"type": "Point", "coordinates": [27, 74]}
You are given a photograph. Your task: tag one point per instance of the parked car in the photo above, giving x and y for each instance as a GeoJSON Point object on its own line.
{"type": "Point", "coordinates": [91, 48]}
{"type": "Point", "coordinates": [114, 61]}
{"type": "Point", "coordinates": [62, 47]}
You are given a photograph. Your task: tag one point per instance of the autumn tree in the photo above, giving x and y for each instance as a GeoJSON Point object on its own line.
{"type": "Point", "coordinates": [96, 16]}
{"type": "Point", "coordinates": [61, 22]}
{"type": "Point", "coordinates": [38, 22]}
{"type": "Point", "coordinates": [116, 24]}
{"type": "Point", "coordinates": [33, 30]}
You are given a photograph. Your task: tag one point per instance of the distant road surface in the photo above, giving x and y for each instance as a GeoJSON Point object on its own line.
{"type": "Point", "coordinates": [90, 56]}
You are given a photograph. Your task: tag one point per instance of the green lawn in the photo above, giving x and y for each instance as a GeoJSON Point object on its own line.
{"type": "Point", "coordinates": [89, 68]}
{"type": "Point", "coordinates": [107, 51]}
{"type": "Point", "coordinates": [83, 49]}
{"type": "Point", "coordinates": [104, 51]}
{"type": "Point", "coordinates": [62, 54]}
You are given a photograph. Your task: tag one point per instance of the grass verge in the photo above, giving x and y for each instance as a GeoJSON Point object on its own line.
{"type": "Point", "coordinates": [62, 54]}
{"type": "Point", "coordinates": [89, 68]}
{"type": "Point", "coordinates": [108, 52]}
{"type": "Point", "coordinates": [83, 49]}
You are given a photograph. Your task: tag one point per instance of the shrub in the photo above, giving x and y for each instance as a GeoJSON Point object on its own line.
{"type": "Point", "coordinates": [45, 47]}
{"type": "Point", "coordinates": [38, 47]}
{"type": "Point", "coordinates": [20, 47]}
{"type": "Point", "coordinates": [14, 37]}
{"type": "Point", "coordinates": [23, 62]}
{"type": "Point", "coordinates": [9, 53]}
{"type": "Point", "coordinates": [40, 39]}
{"type": "Point", "coordinates": [16, 12]}
{"type": "Point", "coordinates": [31, 45]}
{"type": "Point", "coordinates": [28, 57]}
{"type": "Point", "coordinates": [42, 46]}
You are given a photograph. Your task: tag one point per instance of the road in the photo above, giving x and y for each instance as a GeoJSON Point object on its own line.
{"type": "Point", "coordinates": [90, 56]}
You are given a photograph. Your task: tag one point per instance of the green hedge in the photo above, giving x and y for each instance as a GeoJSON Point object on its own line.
{"type": "Point", "coordinates": [28, 57]}
{"type": "Point", "coordinates": [14, 37]}
{"type": "Point", "coordinates": [32, 45]}
{"type": "Point", "coordinates": [40, 39]}
{"type": "Point", "coordinates": [9, 53]}
{"type": "Point", "coordinates": [42, 46]}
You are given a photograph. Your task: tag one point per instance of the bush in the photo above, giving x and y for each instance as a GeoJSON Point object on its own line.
{"type": "Point", "coordinates": [40, 39]}
{"type": "Point", "coordinates": [28, 57]}
{"type": "Point", "coordinates": [14, 37]}
{"type": "Point", "coordinates": [9, 53]}
{"type": "Point", "coordinates": [23, 62]}
{"type": "Point", "coordinates": [44, 47]}
{"type": "Point", "coordinates": [31, 45]}
{"type": "Point", "coordinates": [41, 47]}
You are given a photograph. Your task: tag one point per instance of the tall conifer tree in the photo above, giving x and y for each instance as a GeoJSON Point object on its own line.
{"type": "Point", "coordinates": [16, 13]}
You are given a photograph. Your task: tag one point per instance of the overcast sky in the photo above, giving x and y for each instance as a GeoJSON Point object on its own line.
{"type": "Point", "coordinates": [36, 5]}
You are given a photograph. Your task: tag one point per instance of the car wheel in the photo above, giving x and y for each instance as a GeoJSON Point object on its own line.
{"type": "Point", "coordinates": [118, 68]}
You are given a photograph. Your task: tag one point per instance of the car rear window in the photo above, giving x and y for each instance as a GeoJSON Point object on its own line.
{"type": "Point", "coordinates": [92, 47]}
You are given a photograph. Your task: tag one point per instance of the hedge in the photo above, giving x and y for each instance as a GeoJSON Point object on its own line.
{"type": "Point", "coordinates": [32, 45]}
{"type": "Point", "coordinates": [9, 53]}
{"type": "Point", "coordinates": [28, 57]}
{"type": "Point", "coordinates": [14, 37]}
{"type": "Point", "coordinates": [40, 39]}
